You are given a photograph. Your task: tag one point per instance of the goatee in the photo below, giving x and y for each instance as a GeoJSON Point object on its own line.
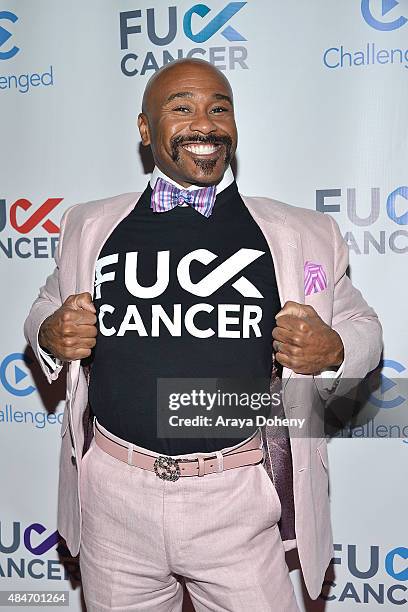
{"type": "Point", "coordinates": [206, 165]}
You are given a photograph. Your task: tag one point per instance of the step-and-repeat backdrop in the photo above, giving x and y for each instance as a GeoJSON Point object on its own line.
{"type": "Point", "coordinates": [321, 94]}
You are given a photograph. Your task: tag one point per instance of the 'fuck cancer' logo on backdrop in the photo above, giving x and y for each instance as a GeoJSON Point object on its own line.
{"type": "Point", "coordinates": [27, 229]}
{"type": "Point", "coordinates": [153, 37]}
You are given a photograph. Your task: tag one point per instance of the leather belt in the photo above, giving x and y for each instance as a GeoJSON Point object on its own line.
{"type": "Point", "coordinates": [171, 468]}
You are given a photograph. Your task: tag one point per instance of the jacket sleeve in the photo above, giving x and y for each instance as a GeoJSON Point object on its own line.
{"type": "Point", "coordinates": [356, 323]}
{"type": "Point", "coordinates": [47, 302]}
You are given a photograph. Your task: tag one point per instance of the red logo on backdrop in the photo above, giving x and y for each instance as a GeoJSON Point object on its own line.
{"type": "Point", "coordinates": [36, 218]}
{"type": "Point", "coordinates": [20, 216]}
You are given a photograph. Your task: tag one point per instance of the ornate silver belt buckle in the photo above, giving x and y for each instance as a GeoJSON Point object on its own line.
{"type": "Point", "coordinates": [167, 468]}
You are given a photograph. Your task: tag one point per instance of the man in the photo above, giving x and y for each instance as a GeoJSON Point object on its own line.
{"type": "Point", "coordinates": [191, 280]}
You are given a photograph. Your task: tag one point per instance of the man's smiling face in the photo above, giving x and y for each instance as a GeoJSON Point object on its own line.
{"type": "Point", "coordinates": [188, 120]}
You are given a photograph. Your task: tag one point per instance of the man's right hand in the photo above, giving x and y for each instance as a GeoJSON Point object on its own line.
{"type": "Point", "coordinates": [70, 332]}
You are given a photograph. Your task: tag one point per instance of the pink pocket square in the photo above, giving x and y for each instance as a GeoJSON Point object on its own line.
{"type": "Point", "coordinates": [315, 277]}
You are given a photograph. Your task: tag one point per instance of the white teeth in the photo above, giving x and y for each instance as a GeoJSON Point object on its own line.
{"type": "Point", "coordinates": [201, 149]}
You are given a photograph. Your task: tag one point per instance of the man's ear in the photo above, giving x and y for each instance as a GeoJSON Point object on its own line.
{"type": "Point", "coordinates": [143, 126]}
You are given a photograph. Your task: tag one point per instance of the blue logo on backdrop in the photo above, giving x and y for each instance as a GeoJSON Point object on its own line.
{"type": "Point", "coordinates": [16, 380]}
{"type": "Point", "coordinates": [215, 24]}
{"type": "Point", "coordinates": [383, 16]}
{"type": "Point", "coordinates": [144, 22]}
{"type": "Point", "coordinates": [373, 576]}
{"type": "Point", "coordinates": [387, 384]}
{"type": "Point", "coordinates": [24, 82]}
{"type": "Point", "coordinates": [363, 241]}
{"type": "Point", "coordinates": [402, 553]}
{"type": "Point", "coordinates": [5, 35]}
{"type": "Point", "coordinates": [391, 201]}
{"type": "Point", "coordinates": [13, 375]}
{"type": "Point", "coordinates": [386, 7]}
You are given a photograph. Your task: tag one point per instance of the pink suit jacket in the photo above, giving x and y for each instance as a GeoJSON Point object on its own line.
{"type": "Point", "coordinates": [294, 235]}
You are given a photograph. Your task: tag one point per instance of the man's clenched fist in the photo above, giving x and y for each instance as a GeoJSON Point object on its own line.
{"type": "Point", "coordinates": [304, 342]}
{"type": "Point", "coordinates": [70, 332]}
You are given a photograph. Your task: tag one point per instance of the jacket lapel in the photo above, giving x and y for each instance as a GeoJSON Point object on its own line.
{"type": "Point", "coordinates": [94, 234]}
{"type": "Point", "coordinates": [286, 249]}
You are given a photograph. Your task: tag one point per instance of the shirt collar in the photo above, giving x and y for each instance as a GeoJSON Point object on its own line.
{"type": "Point", "coordinates": [225, 182]}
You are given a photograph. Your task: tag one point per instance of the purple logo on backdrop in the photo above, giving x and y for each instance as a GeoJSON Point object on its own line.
{"type": "Point", "coordinates": [198, 24]}
{"type": "Point", "coordinates": [44, 546]}
{"type": "Point", "coordinates": [21, 550]}
{"type": "Point", "coordinates": [33, 544]}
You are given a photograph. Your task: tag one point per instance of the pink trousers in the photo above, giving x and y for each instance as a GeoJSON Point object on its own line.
{"type": "Point", "coordinates": [140, 534]}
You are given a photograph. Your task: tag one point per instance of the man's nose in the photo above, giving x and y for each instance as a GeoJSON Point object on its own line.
{"type": "Point", "coordinates": [203, 123]}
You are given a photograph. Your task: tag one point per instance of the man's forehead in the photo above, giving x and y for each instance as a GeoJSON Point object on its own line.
{"type": "Point", "coordinates": [198, 80]}
{"type": "Point", "coordinates": [188, 80]}
{"type": "Point", "coordinates": [198, 92]}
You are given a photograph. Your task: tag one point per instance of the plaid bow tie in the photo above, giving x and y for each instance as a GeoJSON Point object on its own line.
{"type": "Point", "coordinates": [166, 196]}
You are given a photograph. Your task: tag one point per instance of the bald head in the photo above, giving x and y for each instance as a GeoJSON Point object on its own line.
{"type": "Point", "coordinates": [188, 120]}
{"type": "Point", "coordinates": [173, 72]}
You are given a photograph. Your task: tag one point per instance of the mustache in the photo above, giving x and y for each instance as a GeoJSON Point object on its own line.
{"type": "Point", "coordinates": [211, 139]}
{"type": "Point", "coordinates": [177, 141]}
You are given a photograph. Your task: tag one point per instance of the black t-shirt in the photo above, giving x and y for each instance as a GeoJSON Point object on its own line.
{"type": "Point", "coordinates": [179, 295]}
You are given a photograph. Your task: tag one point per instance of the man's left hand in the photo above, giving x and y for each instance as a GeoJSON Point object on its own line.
{"type": "Point", "coordinates": [304, 342]}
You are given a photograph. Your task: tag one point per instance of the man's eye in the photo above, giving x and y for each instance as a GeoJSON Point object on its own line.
{"type": "Point", "coordinates": [219, 109]}
{"type": "Point", "coordinates": [182, 109]}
